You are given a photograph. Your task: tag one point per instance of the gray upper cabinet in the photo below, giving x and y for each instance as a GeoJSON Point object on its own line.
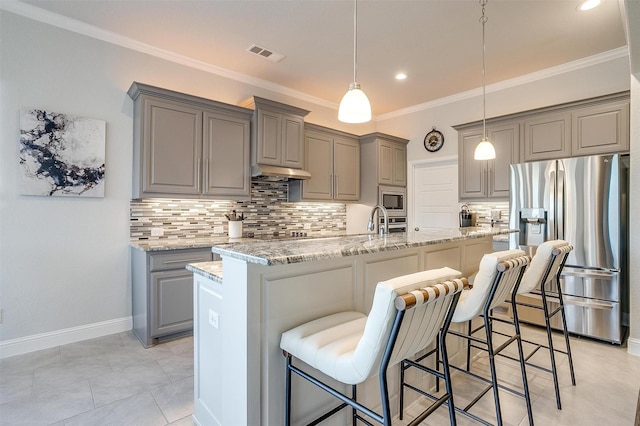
{"type": "Point", "coordinates": [333, 159]}
{"type": "Point", "coordinates": [601, 129]}
{"type": "Point", "coordinates": [188, 147]}
{"type": "Point", "coordinates": [392, 163]}
{"type": "Point", "coordinates": [487, 179]}
{"type": "Point", "coordinates": [384, 159]}
{"type": "Point", "coordinates": [277, 133]}
{"type": "Point", "coordinates": [547, 136]}
{"type": "Point", "coordinates": [588, 127]}
{"type": "Point", "coordinates": [225, 153]}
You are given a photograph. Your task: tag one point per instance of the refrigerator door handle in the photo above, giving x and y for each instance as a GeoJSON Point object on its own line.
{"type": "Point", "coordinates": [560, 200]}
{"type": "Point", "coordinates": [582, 302]}
{"type": "Point", "coordinates": [551, 231]}
{"type": "Point", "coordinates": [589, 273]}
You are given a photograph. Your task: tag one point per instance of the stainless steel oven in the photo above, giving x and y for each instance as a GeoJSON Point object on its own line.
{"type": "Point", "coordinates": [396, 224]}
{"type": "Point", "coordinates": [394, 199]}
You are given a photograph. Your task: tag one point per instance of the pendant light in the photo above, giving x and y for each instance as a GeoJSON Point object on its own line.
{"type": "Point", "coordinates": [485, 149]}
{"type": "Point", "coordinates": [355, 106]}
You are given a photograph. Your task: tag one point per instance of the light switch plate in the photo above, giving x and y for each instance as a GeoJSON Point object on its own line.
{"type": "Point", "coordinates": [213, 318]}
{"type": "Point", "coordinates": [218, 229]}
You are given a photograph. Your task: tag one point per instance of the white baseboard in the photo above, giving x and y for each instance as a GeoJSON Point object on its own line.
{"type": "Point", "coordinates": [633, 346]}
{"type": "Point", "coordinates": [36, 342]}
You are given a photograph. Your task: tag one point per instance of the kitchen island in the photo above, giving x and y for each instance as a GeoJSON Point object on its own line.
{"type": "Point", "coordinates": [265, 288]}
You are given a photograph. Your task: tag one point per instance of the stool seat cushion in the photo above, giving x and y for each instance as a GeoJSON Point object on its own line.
{"type": "Point", "coordinates": [535, 272]}
{"type": "Point", "coordinates": [348, 346]}
{"type": "Point", "coordinates": [472, 301]}
{"type": "Point", "coordinates": [328, 342]}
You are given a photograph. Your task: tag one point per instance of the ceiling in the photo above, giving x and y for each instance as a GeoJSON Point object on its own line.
{"type": "Point", "coordinates": [437, 43]}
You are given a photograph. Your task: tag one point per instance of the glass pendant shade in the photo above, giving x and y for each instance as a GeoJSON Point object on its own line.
{"type": "Point", "coordinates": [484, 150]}
{"type": "Point", "coordinates": [355, 106]}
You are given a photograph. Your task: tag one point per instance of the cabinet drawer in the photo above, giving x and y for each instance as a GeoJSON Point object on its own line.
{"type": "Point", "coordinates": [178, 259]}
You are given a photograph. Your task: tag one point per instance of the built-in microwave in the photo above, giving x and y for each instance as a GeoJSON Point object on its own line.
{"type": "Point", "coordinates": [394, 199]}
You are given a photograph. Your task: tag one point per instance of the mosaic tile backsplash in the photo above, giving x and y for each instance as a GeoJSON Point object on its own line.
{"type": "Point", "coordinates": [484, 210]}
{"type": "Point", "coordinates": [266, 213]}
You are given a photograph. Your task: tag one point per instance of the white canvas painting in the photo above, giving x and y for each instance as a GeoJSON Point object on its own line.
{"type": "Point", "coordinates": [61, 154]}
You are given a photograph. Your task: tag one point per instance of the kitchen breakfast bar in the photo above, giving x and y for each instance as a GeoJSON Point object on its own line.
{"type": "Point", "coordinates": [260, 289]}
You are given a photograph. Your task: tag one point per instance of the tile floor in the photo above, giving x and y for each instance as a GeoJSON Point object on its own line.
{"type": "Point", "coordinates": [113, 380]}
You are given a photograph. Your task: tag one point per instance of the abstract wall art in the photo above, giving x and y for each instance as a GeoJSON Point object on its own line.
{"type": "Point", "coordinates": [61, 154]}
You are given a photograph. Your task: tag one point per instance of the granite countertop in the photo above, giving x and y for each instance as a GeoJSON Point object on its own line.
{"type": "Point", "coordinates": [277, 252]}
{"type": "Point", "coordinates": [206, 242]}
{"type": "Point", "coordinates": [211, 270]}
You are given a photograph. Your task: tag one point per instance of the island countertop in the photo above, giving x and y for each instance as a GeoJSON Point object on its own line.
{"type": "Point", "coordinates": [276, 252]}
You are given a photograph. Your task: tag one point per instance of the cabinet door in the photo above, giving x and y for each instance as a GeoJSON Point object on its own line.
{"type": "Point", "coordinates": [269, 138]}
{"type": "Point", "coordinates": [346, 169]}
{"type": "Point", "coordinates": [601, 129]}
{"type": "Point", "coordinates": [171, 298]}
{"type": "Point", "coordinates": [547, 137]}
{"type": "Point", "coordinates": [506, 140]}
{"type": "Point", "coordinates": [292, 141]}
{"type": "Point", "coordinates": [399, 165]}
{"type": "Point", "coordinates": [319, 153]}
{"type": "Point", "coordinates": [172, 148]}
{"type": "Point", "coordinates": [226, 156]}
{"type": "Point", "coordinates": [471, 172]}
{"type": "Point", "coordinates": [385, 163]}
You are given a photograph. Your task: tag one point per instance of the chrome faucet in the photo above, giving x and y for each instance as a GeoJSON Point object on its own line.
{"type": "Point", "coordinates": [381, 229]}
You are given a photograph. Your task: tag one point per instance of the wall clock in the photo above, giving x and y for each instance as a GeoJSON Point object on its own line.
{"type": "Point", "coordinates": [434, 140]}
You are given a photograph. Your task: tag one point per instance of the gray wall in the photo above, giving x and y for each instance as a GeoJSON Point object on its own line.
{"type": "Point", "coordinates": [64, 261]}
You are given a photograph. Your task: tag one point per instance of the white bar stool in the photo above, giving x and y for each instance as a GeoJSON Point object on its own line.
{"type": "Point", "coordinates": [499, 274]}
{"type": "Point", "coordinates": [544, 275]}
{"type": "Point", "coordinates": [406, 316]}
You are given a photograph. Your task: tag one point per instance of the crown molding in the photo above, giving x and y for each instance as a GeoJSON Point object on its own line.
{"type": "Point", "coordinates": [621, 52]}
{"type": "Point", "coordinates": [50, 18]}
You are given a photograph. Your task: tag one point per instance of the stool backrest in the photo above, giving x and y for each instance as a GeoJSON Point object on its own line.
{"type": "Point", "coordinates": [497, 276]}
{"type": "Point", "coordinates": [546, 264]}
{"type": "Point", "coordinates": [419, 324]}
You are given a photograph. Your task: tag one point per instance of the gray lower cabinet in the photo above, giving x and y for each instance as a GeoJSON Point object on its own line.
{"type": "Point", "coordinates": [162, 295]}
{"type": "Point", "coordinates": [189, 147]}
{"type": "Point", "coordinates": [333, 159]}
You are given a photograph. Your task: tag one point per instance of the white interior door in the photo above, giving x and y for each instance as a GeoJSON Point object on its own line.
{"type": "Point", "coordinates": [433, 189]}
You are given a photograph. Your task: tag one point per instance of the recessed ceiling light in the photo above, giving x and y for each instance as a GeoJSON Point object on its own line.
{"type": "Point", "coordinates": [588, 5]}
{"type": "Point", "coordinates": [401, 76]}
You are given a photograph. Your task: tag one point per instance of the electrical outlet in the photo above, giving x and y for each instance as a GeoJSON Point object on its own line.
{"type": "Point", "coordinates": [157, 232]}
{"type": "Point", "coordinates": [218, 229]}
{"type": "Point", "coordinates": [307, 226]}
{"type": "Point", "coordinates": [213, 318]}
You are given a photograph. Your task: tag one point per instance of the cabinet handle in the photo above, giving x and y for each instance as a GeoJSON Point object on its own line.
{"type": "Point", "coordinates": [195, 259]}
{"type": "Point", "coordinates": [205, 188]}
{"type": "Point", "coordinates": [198, 174]}
{"type": "Point", "coordinates": [336, 185]}
{"type": "Point", "coordinates": [331, 184]}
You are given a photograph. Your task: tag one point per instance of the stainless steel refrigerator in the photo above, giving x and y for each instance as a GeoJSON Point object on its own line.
{"type": "Point", "coordinates": [582, 200]}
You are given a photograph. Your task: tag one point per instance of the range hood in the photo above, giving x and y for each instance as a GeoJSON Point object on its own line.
{"type": "Point", "coordinates": [267, 172]}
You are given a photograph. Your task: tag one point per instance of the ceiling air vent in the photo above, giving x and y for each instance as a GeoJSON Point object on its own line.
{"type": "Point", "coordinates": [265, 53]}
